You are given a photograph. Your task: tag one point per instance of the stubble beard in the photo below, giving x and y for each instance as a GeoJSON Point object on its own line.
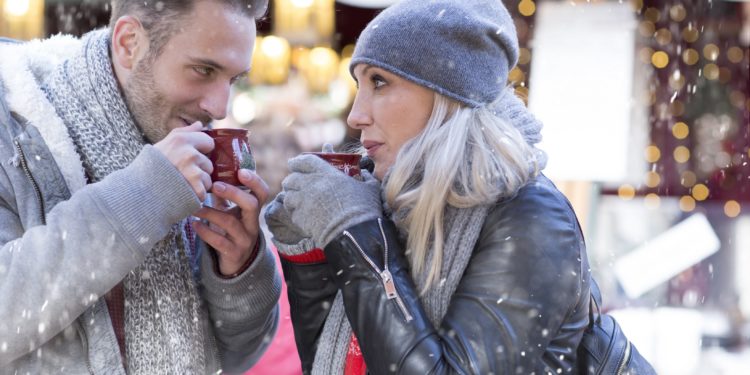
{"type": "Point", "coordinates": [147, 105]}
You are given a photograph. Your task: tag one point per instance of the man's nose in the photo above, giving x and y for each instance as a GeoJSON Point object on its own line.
{"type": "Point", "coordinates": [216, 101]}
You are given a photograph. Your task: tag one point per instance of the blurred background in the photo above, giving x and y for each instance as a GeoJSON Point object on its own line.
{"type": "Point", "coordinates": [646, 105]}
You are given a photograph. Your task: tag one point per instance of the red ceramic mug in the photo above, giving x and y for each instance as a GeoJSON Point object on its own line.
{"type": "Point", "coordinates": [231, 152]}
{"type": "Point", "coordinates": [347, 163]}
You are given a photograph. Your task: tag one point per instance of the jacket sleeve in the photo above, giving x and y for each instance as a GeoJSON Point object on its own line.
{"type": "Point", "coordinates": [50, 273]}
{"type": "Point", "coordinates": [244, 310]}
{"type": "Point", "coordinates": [311, 291]}
{"type": "Point", "coordinates": [517, 308]}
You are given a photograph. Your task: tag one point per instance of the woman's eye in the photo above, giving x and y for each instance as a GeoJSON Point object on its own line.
{"type": "Point", "coordinates": [378, 81]}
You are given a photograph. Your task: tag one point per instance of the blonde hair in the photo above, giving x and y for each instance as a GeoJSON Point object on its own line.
{"type": "Point", "coordinates": [464, 157]}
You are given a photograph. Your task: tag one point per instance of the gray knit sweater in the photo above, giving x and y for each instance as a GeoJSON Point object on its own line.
{"type": "Point", "coordinates": [54, 244]}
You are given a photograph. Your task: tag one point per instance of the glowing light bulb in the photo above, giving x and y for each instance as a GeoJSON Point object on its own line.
{"type": "Point", "coordinates": [17, 8]}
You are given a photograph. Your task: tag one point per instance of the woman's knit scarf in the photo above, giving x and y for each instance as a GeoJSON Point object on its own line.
{"type": "Point", "coordinates": [462, 230]}
{"type": "Point", "coordinates": [163, 315]}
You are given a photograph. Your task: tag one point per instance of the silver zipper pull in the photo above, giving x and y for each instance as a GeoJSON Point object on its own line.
{"type": "Point", "coordinates": [390, 286]}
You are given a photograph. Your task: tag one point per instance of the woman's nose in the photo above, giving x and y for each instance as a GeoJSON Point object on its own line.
{"type": "Point", "coordinates": [360, 114]}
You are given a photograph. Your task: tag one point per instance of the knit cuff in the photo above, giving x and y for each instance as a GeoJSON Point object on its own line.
{"type": "Point", "coordinates": [246, 297]}
{"type": "Point", "coordinates": [304, 246]}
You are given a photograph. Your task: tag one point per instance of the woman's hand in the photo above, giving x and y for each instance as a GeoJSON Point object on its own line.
{"type": "Point", "coordinates": [288, 238]}
{"type": "Point", "coordinates": [323, 201]}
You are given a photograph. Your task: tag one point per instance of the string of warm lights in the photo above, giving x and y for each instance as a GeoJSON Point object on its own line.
{"type": "Point", "coordinates": [696, 91]}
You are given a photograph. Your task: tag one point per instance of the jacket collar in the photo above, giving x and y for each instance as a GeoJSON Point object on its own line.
{"type": "Point", "coordinates": [21, 77]}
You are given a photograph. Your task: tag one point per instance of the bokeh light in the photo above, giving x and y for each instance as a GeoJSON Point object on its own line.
{"type": "Point", "coordinates": [680, 130]}
{"type": "Point", "coordinates": [526, 7]}
{"type": "Point", "coordinates": [690, 34]}
{"type": "Point", "coordinates": [652, 14]}
{"type": "Point", "coordinates": [688, 179]}
{"type": "Point", "coordinates": [677, 13]}
{"type": "Point", "coordinates": [734, 54]}
{"type": "Point", "coordinates": [626, 192]}
{"type": "Point", "coordinates": [732, 208]}
{"type": "Point", "coordinates": [700, 192]}
{"type": "Point", "coordinates": [652, 201]}
{"type": "Point", "coordinates": [711, 52]}
{"type": "Point", "coordinates": [660, 59]}
{"type": "Point", "coordinates": [652, 179]}
{"type": "Point", "coordinates": [711, 71]}
{"type": "Point", "coordinates": [646, 29]}
{"type": "Point", "coordinates": [687, 203]}
{"type": "Point", "coordinates": [653, 154]}
{"type": "Point", "coordinates": [690, 56]}
{"type": "Point", "coordinates": [524, 56]}
{"type": "Point", "coordinates": [663, 37]}
{"type": "Point", "coordinates": [681, 154]}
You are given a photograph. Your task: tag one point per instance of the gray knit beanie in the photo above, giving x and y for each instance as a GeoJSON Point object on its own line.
{"type": "Point", "coordinates": [462, 49]}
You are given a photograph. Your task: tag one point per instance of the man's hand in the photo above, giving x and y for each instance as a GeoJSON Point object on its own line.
{"type": "Point", "coordinates": [185, 148]}
{"type": "Point", "coordinates": [240, 224]}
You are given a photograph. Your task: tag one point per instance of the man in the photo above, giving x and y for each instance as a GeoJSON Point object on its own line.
{"type": "Point", "coordinates": [102, 167]}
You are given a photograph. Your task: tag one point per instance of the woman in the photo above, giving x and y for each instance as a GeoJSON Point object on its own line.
{"type": "Point", "coordinates": [473, 262]}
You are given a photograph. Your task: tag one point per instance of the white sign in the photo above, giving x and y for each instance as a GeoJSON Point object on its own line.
{"type": "Point", "coordinates": [581, 88]}
{"type": "Point", "coordinates": [665, 256]}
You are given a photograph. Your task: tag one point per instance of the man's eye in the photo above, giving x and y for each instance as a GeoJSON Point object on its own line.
{"type": "Point", "coordinates": [236, 79]}
{"type": "Point", "coordinates": [202, 70]}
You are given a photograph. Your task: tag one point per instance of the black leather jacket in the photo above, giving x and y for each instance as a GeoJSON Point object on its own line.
{"type": "Point", "coordinates": [521, 306]}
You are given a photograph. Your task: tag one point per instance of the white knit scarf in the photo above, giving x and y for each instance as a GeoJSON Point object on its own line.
{"type": "Point", "coordinates": [163, 315]}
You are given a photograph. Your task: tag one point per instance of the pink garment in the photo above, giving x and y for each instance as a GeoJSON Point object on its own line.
{"type": "Point", "coordinates": [281, 358]}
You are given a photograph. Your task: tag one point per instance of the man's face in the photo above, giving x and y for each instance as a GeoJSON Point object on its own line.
{"type": "Point", "coordinates": [190, 80]}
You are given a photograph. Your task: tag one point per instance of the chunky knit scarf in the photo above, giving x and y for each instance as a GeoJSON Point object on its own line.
{"type": "Point", "coordinates": [163, 315]}
{"type": "Point", "coordinates": [461, 227]}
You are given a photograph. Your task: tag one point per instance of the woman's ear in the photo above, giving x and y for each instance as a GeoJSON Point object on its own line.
{"type": "Point", "coordinates": [129, 43]}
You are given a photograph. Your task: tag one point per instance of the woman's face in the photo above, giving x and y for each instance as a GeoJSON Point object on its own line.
{"type": "Point", "coordinates": [389, 111]}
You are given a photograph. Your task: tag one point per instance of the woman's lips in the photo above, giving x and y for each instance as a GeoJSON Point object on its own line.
{"type": "Point", "coordinates": [371, 147]}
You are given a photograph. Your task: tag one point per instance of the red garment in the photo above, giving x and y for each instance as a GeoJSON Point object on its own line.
{"type": "Point", "coordinates": [115, 299]}
{"type": "Point", "coordinates": [313, 256]}
{"type": "Point", "coordinates": [355, 362]}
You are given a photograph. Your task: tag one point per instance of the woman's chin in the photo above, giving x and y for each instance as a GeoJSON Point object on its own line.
{"type": "Point", "coordinates": [379, 172]}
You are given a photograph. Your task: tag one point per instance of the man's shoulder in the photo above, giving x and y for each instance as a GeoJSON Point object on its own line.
{"type": "Point", "coordinates": [37, 56]}
{"type": "Point", "coordinates": [5, 40]}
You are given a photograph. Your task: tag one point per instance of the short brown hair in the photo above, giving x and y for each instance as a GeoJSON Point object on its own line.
{"type": "Point", "coordinates": [160, 18]}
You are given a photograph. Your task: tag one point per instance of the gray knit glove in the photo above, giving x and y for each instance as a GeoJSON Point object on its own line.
{"type": "Point", "coordinates": [288, 238]}
{"type": "Point", "coordinates": [323, 202]}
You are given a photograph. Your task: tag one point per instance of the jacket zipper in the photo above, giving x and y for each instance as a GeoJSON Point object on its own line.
{"type": "Point", "coordinates": [42, 216]}
{"type": "Point", "coordinates": [27, 171]}
{"type": "Point", "coordinates": [385, 274]}
{"type": "Point", "coordinates": [85, 340]}
{"type": "Point", "coordinates": [625, 359]}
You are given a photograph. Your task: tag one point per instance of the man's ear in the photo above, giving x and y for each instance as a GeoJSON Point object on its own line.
{"type": "Point", "coordinates": [129, 42]}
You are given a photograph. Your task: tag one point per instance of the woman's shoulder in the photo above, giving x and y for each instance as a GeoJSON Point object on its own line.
{"type": "Point", "coordinates": [539, 217]}
{"type": "Point", "coordinates": [539, 199]}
